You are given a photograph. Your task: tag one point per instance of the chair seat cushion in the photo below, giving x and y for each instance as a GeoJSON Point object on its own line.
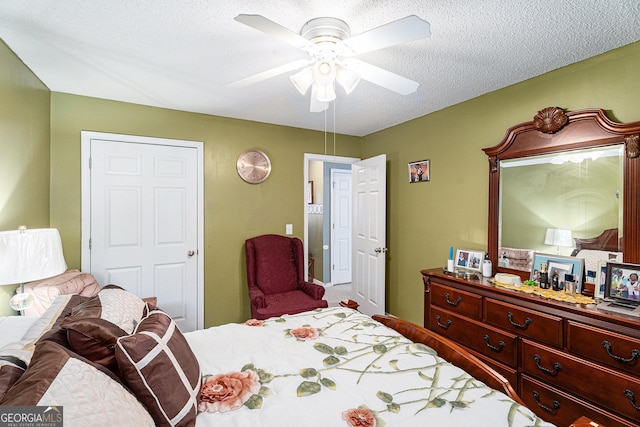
{"type": "Point", "coordinates": [288, 302]}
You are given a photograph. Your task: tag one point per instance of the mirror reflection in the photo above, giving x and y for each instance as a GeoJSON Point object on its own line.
{"type": "Point", "coordinates": [548, 200]}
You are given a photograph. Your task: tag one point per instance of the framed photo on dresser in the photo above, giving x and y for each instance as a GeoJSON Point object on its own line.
{"type": "Point", "coordinates": [469, 260]}
{"type": "Point", "coordinates": [558, 264]}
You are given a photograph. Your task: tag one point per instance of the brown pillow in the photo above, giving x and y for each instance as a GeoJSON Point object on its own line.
{"type": "Point", "coordinates": [94, 339]}
{"type": "Point", "coordinates": [158, 365]}
{"type": "Point", "coordinates": [89, 393]}
{"type": "Point", "coordinates": [11, 369]}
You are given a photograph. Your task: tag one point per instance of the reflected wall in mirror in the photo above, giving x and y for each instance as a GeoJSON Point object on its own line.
{"type": "Point", "coordinates": [529, 194]}
{"type": "Point", "coordinates": [578, 193]}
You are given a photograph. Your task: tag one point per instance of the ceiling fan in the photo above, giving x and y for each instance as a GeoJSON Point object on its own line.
{"type": "Point", "coordinates": [331, 50]}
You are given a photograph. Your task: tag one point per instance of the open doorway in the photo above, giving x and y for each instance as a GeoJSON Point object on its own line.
{"type": "Point", "coordinates": [318, 247]}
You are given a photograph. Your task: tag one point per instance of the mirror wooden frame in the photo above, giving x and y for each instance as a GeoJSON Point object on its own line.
{"type": "Point", "coordinates": [553, 130]}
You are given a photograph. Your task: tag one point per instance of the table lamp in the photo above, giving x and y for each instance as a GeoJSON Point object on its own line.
{"type": "Point", "coordinates": [28, 255]}
{"type": "Point", "coordinates": [558, 237]}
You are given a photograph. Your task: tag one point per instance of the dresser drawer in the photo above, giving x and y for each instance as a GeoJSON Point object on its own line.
{"type": "Point", "coordinates": [562, 409]}
{"type": "Point", "coordinates": [605, 347]}
{"type": "Point", "coordinates": [491, 342]}
{"type": "Point", "coordinates": [455, 300]}
{"type": "Point", "coordinates": [617, 391]}
{"type": "Point", "coordinates": [524, 322]}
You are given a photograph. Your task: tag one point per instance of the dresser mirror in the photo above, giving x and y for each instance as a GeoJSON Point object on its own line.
{"type": "Point", "coordinates": [546, 201]}
{"type": "Point", "coordinates": [570, 175]}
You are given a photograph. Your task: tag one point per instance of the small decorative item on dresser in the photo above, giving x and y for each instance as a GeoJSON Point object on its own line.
{"type": "Point", "coordinates": [487, 267]}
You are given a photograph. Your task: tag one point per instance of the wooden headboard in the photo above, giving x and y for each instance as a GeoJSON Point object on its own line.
{"type": "Point", "coordinates": [606, 241]}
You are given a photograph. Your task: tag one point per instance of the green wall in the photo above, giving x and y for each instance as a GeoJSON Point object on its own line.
{"type": "Point", "coordinates": [233, 209]}
{"type": "Point", "coordinates": [425, 218]}
{"type": "Point", "coordinates": [24, 151]}
{"type": "Point", "coordinates": [24, 138]}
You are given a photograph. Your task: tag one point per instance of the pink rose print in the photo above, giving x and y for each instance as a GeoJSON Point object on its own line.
{"type": "Point", "coordinates": [254, 322]}
{"type": "Point", "coordinates": [305, 333]}
{"type": "Point", "coordinates": [360, 417]}
{"type": "Point", "coordinates": [228, 392]}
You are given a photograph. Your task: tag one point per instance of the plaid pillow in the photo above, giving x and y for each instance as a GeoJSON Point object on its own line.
{"type": "Point", "coordinates": [158, 365]}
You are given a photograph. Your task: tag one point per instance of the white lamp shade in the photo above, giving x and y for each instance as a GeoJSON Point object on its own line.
{"type": "Point", "coordinates": [558, 237]}
{"type": "Point", "coordinates": [30, 255]}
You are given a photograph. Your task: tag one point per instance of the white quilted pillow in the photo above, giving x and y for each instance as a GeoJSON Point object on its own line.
{"type": "Point", "coordinates": [115, 305]}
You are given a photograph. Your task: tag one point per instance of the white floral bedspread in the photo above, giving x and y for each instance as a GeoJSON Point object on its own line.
{"type": "Point", "coordinates": [337, 367]}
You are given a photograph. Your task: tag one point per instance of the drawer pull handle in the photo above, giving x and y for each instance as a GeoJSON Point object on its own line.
{"type": "Point", "coordinates": [556, 366]}
{"type": "Point", "coordinates": [499, 348]}
{"type": "Point", "coordinates": [527, 321]}
{"type": "Point", "coordinates": [443, 326]}
{"type": "Point", "coordinates": [635, 353]}
{"type": "Point", "coordinates": [556, 404]}
{"type": "Point", "coordinates": [632, 399]}
{"type": "Point", "coordinates": [457, 301]}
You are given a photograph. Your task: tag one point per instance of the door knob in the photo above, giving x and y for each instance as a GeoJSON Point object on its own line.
{"type": "Point", "coordinates": [191, 253]}
{"type": "Point", "coordinates": [380, 250]}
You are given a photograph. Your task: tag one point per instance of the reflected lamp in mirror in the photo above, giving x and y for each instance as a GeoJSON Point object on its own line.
{"type": "Point", "coordinates": [28, 255]}
{"type": "Point", "coordinates": [558, 237]}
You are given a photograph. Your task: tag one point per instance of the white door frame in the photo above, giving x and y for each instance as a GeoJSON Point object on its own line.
{"type": "Point", "coordinates": [85, 154]}
{"type": "Point", "coordinates": [307, 158]}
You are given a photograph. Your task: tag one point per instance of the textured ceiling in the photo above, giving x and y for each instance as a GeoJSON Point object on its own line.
{"type": "Point", "coordinates": [181, 54]}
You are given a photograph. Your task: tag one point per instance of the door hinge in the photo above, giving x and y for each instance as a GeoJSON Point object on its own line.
{"type": "Point", "coordinates": [90, 162]}
{"type": "Point", "coordinates": [89, 244]}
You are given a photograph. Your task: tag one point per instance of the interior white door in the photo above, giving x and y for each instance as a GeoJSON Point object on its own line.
{"type": "Point", "coordinates": [144, 223]}
{"type": "Point", "coordinates": [369, 181]}
{"type": "Point", "coordinates": [341, 219]}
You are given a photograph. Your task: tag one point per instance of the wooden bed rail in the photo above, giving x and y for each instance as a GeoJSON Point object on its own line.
{"type": "Point", "coordinates": [451, 352]}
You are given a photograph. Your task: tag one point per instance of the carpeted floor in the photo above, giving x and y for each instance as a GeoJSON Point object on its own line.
{"type": "Point", "coordinates": [337, 293]}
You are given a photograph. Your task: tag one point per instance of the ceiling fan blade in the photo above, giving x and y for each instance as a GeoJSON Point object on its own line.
{"type": "Point", "coordinates": [268, 74]}
{"type": "Point", "coordinates": [384, 78]}
{"type": "Point", "coordinates": [267, 26]}
{"type": "Point", "coordinates": [403, 30]}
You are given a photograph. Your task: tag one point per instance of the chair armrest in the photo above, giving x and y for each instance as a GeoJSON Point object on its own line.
{"type": "Point", "coordinates": [256, 296]}
{"type": "Point", "coordinates": [313, 290]}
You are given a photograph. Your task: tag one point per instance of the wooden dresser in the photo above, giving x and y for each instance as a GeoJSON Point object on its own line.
{"type": "Point", "coordinates": [565, 361]}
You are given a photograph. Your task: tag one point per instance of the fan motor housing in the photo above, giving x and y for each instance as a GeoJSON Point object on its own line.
{"type": "Point", "coordinates": [326, 29]}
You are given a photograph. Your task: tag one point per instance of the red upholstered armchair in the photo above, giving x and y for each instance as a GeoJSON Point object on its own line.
{"type": "Point", "coordinates": [275, 275]}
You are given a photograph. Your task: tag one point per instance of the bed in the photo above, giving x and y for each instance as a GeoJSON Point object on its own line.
{"type": "Point", "coordinates": [113, 359]}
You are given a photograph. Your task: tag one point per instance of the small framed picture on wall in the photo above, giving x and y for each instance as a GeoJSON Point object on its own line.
{"type": "Point", "coordinates": [420, 171]}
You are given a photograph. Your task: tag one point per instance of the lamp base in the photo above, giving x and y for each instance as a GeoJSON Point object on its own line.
{"type": "Point", "coordinates": [20, 301]}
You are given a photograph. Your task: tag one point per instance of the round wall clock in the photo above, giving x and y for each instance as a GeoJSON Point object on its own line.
{"type": "Point", "coordinates": [253, 166]}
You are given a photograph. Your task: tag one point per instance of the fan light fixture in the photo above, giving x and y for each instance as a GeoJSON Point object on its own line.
{"type": "Point", "coordinates": [331, 50]}
{"type": "Point", "coordinates": [325, 35]}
